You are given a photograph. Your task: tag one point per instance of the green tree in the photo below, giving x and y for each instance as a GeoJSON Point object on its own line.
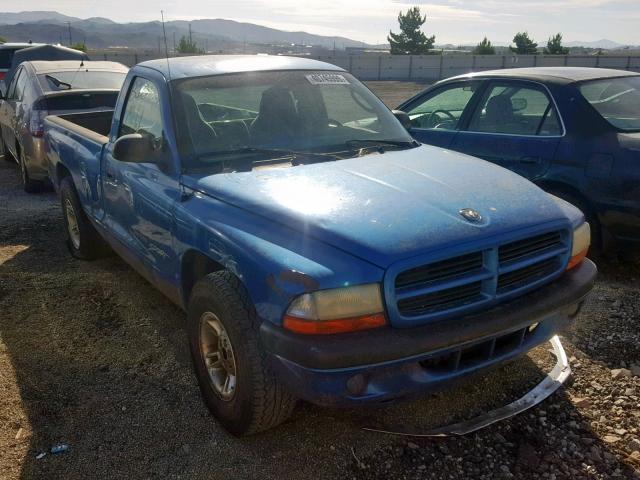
{"type": "Point", "coordinates": [524, 45]}
{"type": "Point", "coordinates": [80, 46]}
{"type": "Point", "coordinates": [484, 48]}
{"type": "Point", "coordinates": [554, 46]}
{"type": "Point", "coordinates": [188, 45]}
{"type": "Point", "coordinates": [2, 39]}
{"type": "Point", "coordinates": [411, 40]}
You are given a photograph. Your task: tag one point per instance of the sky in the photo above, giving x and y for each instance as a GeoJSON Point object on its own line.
{"type": "Point", "coordinates": [452, 21]}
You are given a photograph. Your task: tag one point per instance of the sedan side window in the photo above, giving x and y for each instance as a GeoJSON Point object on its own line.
{"type": "Point", "coordinates": [11, 93]}
{"type": "Point", "coordinates": [516, 110]}
{"type": "Point", "coordinates": [142, 111]}
{"type": "Point", "coordinates": [443, 108]}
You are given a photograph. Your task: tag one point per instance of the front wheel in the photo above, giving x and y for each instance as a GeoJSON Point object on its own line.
{"type": "Point", "coordinates": [236, 383]}
{"type": "Point", "coordinates": [83, 241]}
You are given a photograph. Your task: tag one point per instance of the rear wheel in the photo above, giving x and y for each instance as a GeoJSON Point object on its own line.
{"type": "Point", "coordinates": [236, 383]}
{"type": "Point", "coordinates": [29, 185]}
{"type": "Point", "coordinates": [83, 241]}
{"type": "Point", "coordinates": [5, 151]}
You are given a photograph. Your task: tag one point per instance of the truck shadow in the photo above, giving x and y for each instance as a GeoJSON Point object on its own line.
{"type": "Point", "coordinates": [96, 358]}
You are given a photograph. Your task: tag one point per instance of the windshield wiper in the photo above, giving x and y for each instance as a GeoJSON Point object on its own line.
{"type": "Point", "coordinates": [57, 82]}
{"type": "Point", "coordinates": [381, 143]}
{"type": "Point", "coordinates": [296, 157]}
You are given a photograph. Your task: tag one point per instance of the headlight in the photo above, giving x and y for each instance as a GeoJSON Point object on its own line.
{"type": "Point", "coordinates": [337, 310]}
{"type": "Point", "coordinates": [581, 243]}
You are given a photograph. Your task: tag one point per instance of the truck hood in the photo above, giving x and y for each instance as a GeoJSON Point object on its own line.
{"type": "Point", "coordinates": [390, 206]}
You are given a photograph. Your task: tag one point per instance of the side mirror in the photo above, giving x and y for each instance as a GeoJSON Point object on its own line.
{"type": "Point", "coordinates": [403, 117]}
{"type": "Point", "coordinates": [135, 148]}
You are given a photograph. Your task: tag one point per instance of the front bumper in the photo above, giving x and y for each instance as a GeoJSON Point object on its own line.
{"type": "Point", "coordinates": [386, 363]}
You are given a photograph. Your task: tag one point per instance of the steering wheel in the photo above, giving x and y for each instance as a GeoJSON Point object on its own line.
{"type": "Point", "coordinates": [335, 123]}
{"type": "Point", "coordinates": [434, 117]}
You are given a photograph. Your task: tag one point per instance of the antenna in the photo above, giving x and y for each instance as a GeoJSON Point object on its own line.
{"type": "Point", "coordinates": [166, 48]}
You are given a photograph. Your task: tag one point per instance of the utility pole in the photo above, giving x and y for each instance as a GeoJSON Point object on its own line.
{"type": "Point", "coordinates": [174, 42]}
{"type": "Point", "coordinates": [70, 41]}
{"type": "Point", "coordinates": [190, 38]}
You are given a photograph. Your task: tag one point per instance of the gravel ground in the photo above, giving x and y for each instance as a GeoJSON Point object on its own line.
{"type": "Point", "coordinates": [94, 357]}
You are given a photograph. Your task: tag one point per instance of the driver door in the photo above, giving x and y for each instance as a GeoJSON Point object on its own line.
{"type": "Point", "coordinates": [139, 198]}
{"type": "Point", "coordinates": [437, 114]}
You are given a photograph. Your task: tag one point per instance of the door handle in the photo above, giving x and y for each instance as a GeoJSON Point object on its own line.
{"type": "Point", "coordinates": [531, 160]}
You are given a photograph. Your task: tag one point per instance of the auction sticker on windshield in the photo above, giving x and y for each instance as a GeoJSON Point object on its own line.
{"type": "Point", "coordinates": [327, 79]}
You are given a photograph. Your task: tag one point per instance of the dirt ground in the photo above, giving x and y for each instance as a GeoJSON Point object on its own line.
{"type": "Point", "coordinates": [94, 357]}
{"type": "Point", "coordinates": [394, 93]}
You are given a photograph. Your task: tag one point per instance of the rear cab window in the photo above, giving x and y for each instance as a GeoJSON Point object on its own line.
{"type": "Point", "coordinates": [617, 100]}
{"type": "Point", "coordinates": [516, 108]}
{"type": "Point", "coordinates": [443, 108]}
{"type": "Point", "coordinates": [80, 79]}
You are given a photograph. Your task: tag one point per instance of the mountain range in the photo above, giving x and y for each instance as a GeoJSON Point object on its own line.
{"type": "Point", "coordinates": [97, 32]}
{"type": "Point", "coordinates": [211, 34]}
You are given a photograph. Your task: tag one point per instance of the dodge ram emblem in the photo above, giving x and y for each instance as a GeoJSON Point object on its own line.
{"type": "Point", "coordinates": [470, 215]}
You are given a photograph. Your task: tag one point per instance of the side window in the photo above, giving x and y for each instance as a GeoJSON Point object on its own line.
{"type": "Point", "coordinates": [516, 109]}
{"type": "Point", "coordinates": [21, 84]}
{"type": "Point", "coordinates": [142, 111]}
{"type": "Point", "coordinates": [443, 108]}
{"type": "Point", "coordinates": [11, 93]}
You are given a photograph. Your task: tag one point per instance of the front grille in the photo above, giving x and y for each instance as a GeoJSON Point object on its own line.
{"type": "Point", "coordinates": [445, 269]}
{"type": "Point", "coordinates": [529, 246]}
{"type": "Point", "coordinates": [523, 276]}
{"type": "Point", "coordinates": [479, 278]}
{"type": "Point", "coordinates": [476, 354]}
{"type": "Point", "coordinates": [441, 299]}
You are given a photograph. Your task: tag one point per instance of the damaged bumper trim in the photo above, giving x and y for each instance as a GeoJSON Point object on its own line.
{"type": "Point", "coordinates": [540, 392]}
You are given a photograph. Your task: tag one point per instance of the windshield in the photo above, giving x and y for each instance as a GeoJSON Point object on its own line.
{"type": "Point", "coordinates": [226, 118]}
{"type": "Point", "coordinates": [81, 78]}
{"type": "Point", "coordinates": [616, 99]}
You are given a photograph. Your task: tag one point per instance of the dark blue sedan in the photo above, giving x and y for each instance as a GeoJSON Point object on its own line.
{"type": "Point", "coordinates": [573, 131]}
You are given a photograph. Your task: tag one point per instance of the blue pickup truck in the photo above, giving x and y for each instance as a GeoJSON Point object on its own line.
{"type": "Point", "coordinates": [319, 251]}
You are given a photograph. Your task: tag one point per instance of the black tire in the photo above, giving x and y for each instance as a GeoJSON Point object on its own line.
{"type": "Point", "coordinates": [259, 401]}
{"type": "Point", "coordinates": [89, 244]}
{"type": "Point", "coordinates": [29, 185]}
{"type": "Point", "coordinates": [6, 154]}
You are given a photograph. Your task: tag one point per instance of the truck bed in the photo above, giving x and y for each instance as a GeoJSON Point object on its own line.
{"type": "Point", "coordinates": [93, 125]}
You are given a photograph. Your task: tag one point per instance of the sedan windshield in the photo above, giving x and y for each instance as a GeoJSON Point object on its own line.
{"type": "Point", "coordinates": [307, 115]}
{"type": "Point", "coordinates": [81, 78]}
{"type": "Point", "coordinates": [616, 99]}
